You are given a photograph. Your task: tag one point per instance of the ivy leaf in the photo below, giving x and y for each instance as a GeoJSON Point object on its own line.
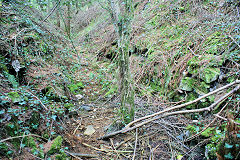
{"type": "Point", "coordinates": [22, 145]}
{"type": "Point", "coordinates": [238, 135]}
{"type": "Point", "coordinates": [2, 111]}
{"type": "Point", "coordinates": [54, 117]}
{"type": "Point", "coordinates": [228, 156]}
{"type": "Point", "coordinates": [228, 145]}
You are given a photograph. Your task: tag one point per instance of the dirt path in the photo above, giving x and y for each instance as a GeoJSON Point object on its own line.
{"type": "Point", "coordinates": [100, 118]}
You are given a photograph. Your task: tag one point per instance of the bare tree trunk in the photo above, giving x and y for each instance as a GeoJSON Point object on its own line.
{"type": "Point", "coordinates": [48, 6]}
{"type": "Point", "coordinates": [122, 22]}
{"type": "Point", "coordinates": [58, 18]}
{"type": "Point", "coordinates": [68, 19]}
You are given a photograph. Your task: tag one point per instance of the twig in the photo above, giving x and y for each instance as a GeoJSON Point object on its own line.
{"type": "Point", "coordinates": [199, 144]}
{"type": "Point", "coordinates": [185, 104]}
{"type": "Point", "coordinates": [52, 10]}
{"type": "Point", "coordinates": [128, 128]}
{"type": "Point", "coordinates": [234, 40]}
{"type": "Point", "coordinates": [104, 150]}
{"type": "Point", "coordinates": [172, 153]}
{"type": "Point", "coordinates": [192, 51]}
{"type": "Point", "coordinates": [114, 147]}
{"type": "Point", "coordinates": [72, 155]}
{"type": "Point", "coordinates": [123, 142]}
{"type": "Point", "coordinates": [218, 101]}
{"type": "Point", "coordinates": [196, 135]}
{"type": "Point", "coordinates": [77, 155]}
{"type": "Point", "coordinates": [10, 138]}
{"type": "Point", "coordinates": [36, 156]}
{"type": "Point", "coordinates": [135, 146]}
{"type": "Point", "coordinates": [80, 123]}
{"type": "Point", "coordinates": [38, 100]}
{"type": "Point", "coordinates": [225, 119]}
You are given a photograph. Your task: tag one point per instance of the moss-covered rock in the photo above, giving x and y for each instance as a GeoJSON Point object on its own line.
{"type": "Point", "coordinates": [56, 93]}
{"type": "Point", "coordinates": [14, 96]}
{"type": "Point", "coordinates": [56, 145]}
{"type": "Point", "coordinates": [204, 63]}
{"type": "Point", "coordinates": [201, 88]}
{"type": "Point", "coordinates": [210, 74]}
{"type": "Point", "coordinates": [187, 84]}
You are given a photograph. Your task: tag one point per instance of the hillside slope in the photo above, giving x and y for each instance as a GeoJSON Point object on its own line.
{"type": "Point", "coordinates": [59, 93]}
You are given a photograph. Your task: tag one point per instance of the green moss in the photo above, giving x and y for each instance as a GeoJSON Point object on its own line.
{"type": "Point", "coordinates": [215, 42]}
{"type": "Point", "coordinates": [3, 149]}
{"type": "Point", "coordinates": [29, 141]}
{"type": "Point", "coordinates": [208, 132]}
{"type": "Point", "coordinates": [74, 88]}
{"type": "Point", "coordinates": [56, 145]}
{"type": "Point", "coordinates": [181, 9]}
{"type": "Point", "coordinates": [38, 152]}
{"type": "Point", "coordinates": [190, 97]}
{"type": "Point", "coordinates": [14, 96]}
{"type": "Point", "coordinates": [61, 156]}
{"type": "Point", "coordinates": [68, 105]}
{"type": "Point", "coordinates": [231, 79]}
{"type": "Point", "coordinates": [210, 74]}
{"type": "Point", "coordinates": [52, 94]}
{"type": "Point", "coordinates": [211, 98]}
{"type": "Point", "coordinates": [196, 63]}
{"type": "Point", "coordinates": [202, 88]}
{"type": "Point", "coordinates": [187, 84]}
{"type": "Point", "coordinates": [12, 80]}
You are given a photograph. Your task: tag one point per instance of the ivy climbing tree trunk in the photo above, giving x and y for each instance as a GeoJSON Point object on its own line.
{"type": "Point", "coordinates": [122, 17]}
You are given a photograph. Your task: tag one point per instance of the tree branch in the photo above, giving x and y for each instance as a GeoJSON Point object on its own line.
{"type": "Point", "coordinates": [183, 105]}
{"type": "Point", "coordinates": [210, 108]}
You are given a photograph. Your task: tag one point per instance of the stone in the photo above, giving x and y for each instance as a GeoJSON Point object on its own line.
{"type": "Point", "coordinates": [86, 108]}
{"type": "Point", "coordinates": [210, 74]}
{"type": "Point", "coordinates": [89, 130]}
{"type": "Point", "coordinates": [79, 96]}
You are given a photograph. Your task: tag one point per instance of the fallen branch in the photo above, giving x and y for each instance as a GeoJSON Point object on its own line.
{"type": "Point", "coordinates": [129, 128]}
{"type": "Point", "coordinates": [105, 150]}
{"type": "Point", "coordinates": [10, 138]}
{"type": "Point", "coordinates": [185, 104]}
{"type": "Point", "coordinates": [77, 155]}
{"type": "Point", "coordinates": [198, 134]}
{"type": "Point", "coordinates": [135, 146]}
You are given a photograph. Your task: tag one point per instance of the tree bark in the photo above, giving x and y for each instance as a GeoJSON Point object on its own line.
{"type": "Point", "coordinates": [122, 21]}
{"type": "Point", "coordinates": [58, 18]}
{"type": "Point", "coordinates": [68, 19]}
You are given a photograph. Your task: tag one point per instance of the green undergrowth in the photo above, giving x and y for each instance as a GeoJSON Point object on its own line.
{"type": "Point", "coordinates": [32, 103]}
{"type": "Point", "coordinates": [223, 139]}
